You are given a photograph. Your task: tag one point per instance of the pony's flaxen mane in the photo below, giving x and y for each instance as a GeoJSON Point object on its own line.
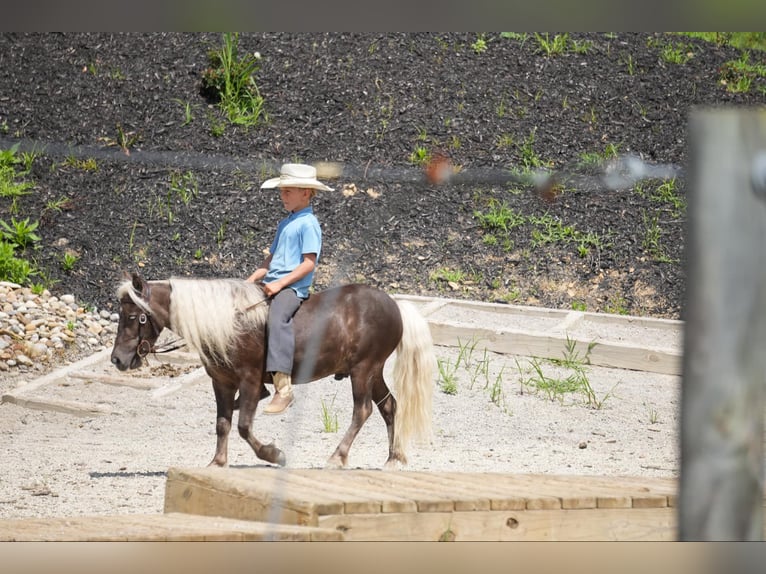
{"type": "Point", "coordinates": [210, 314]}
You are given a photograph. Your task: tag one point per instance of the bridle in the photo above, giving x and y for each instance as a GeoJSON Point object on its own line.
{"type": "Point", "coordinates": [144, 347]}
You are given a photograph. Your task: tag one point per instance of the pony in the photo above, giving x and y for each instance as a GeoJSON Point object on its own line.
{"type": "Point", "coordinates": [345, 331]}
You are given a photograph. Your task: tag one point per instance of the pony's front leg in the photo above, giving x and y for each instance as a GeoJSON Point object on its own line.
{"type": "Point", "coordinates": [249, 395]}
{"type": "Point", "coordinates": [224, 402]}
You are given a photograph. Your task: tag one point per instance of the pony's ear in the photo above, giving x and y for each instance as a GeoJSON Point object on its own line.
{"type": "Point", "coordinates": [138, 282]}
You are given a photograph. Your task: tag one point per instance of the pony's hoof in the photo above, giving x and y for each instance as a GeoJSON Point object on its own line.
{"type": "Point", "coordinates": [219, 464]}
{"type": "Point", "coordinates": [272, 454]}
{"type": "Point", "coordinates": [334, 463]}
{"type": "Point", "coordinates": [394, 464]}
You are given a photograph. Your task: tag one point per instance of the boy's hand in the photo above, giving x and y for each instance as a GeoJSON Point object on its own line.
{"type": "Point", "coordinates": [272, 288]}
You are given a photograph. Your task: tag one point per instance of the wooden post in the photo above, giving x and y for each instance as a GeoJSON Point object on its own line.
{"type": "Point", "coordinates": [724, 363]}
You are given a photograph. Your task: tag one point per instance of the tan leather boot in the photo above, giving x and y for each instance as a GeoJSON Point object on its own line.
{"type": "Point", "coordinates": [283, 397]}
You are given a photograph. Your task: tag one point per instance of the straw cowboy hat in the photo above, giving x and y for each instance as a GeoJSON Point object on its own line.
{"type": "Point", "coordinates": [296, 175]}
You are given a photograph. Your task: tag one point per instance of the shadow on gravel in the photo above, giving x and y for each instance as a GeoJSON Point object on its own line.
{"type": "Point", "coordinates": [119, 474]}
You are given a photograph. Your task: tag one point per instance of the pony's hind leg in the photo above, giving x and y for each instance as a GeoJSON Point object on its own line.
{"type": "Point", "coordinates": [362, 380]}
{"type": "Point", "coordinates": [249, 396]}
{"type": "Point", "coordinates": [224, 403]}
{"type": "Point", "coordinates": [387, 408]}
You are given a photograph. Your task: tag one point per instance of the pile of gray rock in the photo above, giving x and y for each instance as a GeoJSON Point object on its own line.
{"type": "Point", "coordinates": [39, 331]}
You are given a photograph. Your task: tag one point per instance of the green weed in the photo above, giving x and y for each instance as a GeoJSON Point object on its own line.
{"type": "Point", "coordinates": [448, 275]}
{"type": "Point", "coordinates": [552, 46]}
{"type": "Point", "coordinates": [518, 36]}
{"type": "Point", "coordinates": [499, 217]}
{"type": "Point", "coordinates": [420, 156]}
{"type": "Point", "coordinates": [188, 118]}
{"type": "Point", "coordinates": [447, 380]}
{"type": "Point", "coordinates": [88, 164]}
{"type": "Point", "coordinates": [677, 53]}
{"type": "Point", "coordinates": [652, 240]}
{"type": "Point", "coordinates": [329, 416]}
{"type": "Point", "coordinates": [184, 186]}
{"type": "Point", "coordinates": [220, 234]}
{"type": "Point", "coordinates": [126, 139]}
{"type": "Point", "coordinates": [14, 269]}
{"type": "Point", "coordinates": [230, 79]}
{"type": "Point", "coordinates": [68, 261]}
{"type": "Point", "coordinates": [480, 45]}
{"type": "Point", "coordinates": [738, 75]}
{"type": "Point", "coordinates": [19, 232]}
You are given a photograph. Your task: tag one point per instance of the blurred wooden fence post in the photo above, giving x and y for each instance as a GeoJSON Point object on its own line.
{"type": "Point", "coordinates": [724, 364]}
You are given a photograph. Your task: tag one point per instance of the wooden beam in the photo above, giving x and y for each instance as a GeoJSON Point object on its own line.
{"type": "Point", "coordinates": [78, 408]}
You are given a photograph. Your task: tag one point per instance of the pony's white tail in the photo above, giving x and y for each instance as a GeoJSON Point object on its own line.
{"type": "Point", "coordinates": [413, 379]}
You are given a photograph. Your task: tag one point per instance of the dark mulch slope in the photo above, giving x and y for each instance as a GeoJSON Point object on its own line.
{"type": "Point", "coordinates": [366, 100]}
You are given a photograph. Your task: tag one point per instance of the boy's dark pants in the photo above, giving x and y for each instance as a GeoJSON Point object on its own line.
{"type": "Point", "coordinates": [281, 344]}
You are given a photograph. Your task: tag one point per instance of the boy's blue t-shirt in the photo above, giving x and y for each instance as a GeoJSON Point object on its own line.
{"type": "Point", "coordinates": [297, 234]}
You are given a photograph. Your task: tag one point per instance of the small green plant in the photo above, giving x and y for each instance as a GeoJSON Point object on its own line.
{"type": "Point", "coordinates": [630, 64]}
{"type": "Point", "coordinates": [505, 141]}
{"type": "Point", "coordinates": [738, 75]}
{"type": "Point", "coordinates": [496, 389]}
{"type": "Point", "coordinates": [329, 416]}
{"type": "Point", "coordinates": [550, 230]}
{"type": "Point", "coordinates": [88, 164]}
{"type": "Point", "coordinates": [579, 306]}
{"type": "Point", "coordinates": [198, 253]}
{"type": "Point", "coordinates": [529, 159]}
{"type": "Point", "coordinates": [12, 268]}
{"type": "Point", "coordinates": [518, 36]}
{"type": "Point", "coordinates": [220, 235]}
{"type": "Point", "coordinates": [552, 46]}
{"type": "Point", "coordinates": [187, 112]}
{"type": "Point", "coordinates": [480, 45]}
{"type": "Point", "coordinates": [68, 261]}
{"type": "Point", "coordinates": [677, 53]}
{"type": "Point", "coordinates": [652, 240]}
{"type": "Point", "coordinates": [19, 232]}
{"type": "Point", "coordinates": [217, 128]}
{"type": "Point", "coordinates": [126, 139]}
{"type": "Point", "coordinates": [184, 186]}
{"type": "Point", "coordinates": [420, 156]}
{"type": "Point", "coordinates": [13, 168]}
{"type": "Point", "coordinates": [131, 237]}
{"type": "Point", "coordinates": [572, 358]}
{"type": "Point", "coordinates": [71, 325]}
{"type": "Point", "coordinates": [499, 217]}
{"type": "Point", "coordinates": [448, 275]}
{"type": "Point", "coordinates": [230, 79]}
{"type": "Point", "coordinates": [596, 159]}
{"type": "Point", "coordinates": [447, 380]}
{"type": "Point", "coordinates": [616, 305]}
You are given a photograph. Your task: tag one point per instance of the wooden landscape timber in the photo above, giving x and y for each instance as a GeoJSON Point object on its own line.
{"type": "Point", "coordinates": [156, 528]}
{"type": "Point", "coordinates": [609, 340]}
{"type": "Point", "coordinates": [369, 505]}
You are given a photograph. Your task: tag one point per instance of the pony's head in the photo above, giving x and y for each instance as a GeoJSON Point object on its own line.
{"type": "Point", "coordinates": [139, 327]}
